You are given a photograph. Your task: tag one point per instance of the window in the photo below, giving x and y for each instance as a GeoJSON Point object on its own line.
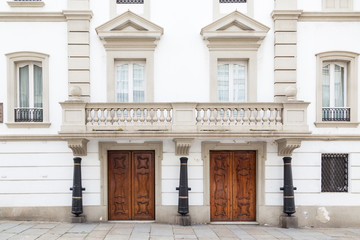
{"type": "Point", "coordinates": [129, 1]}
{"type": "Point", "coordinates": [231, 84]}
{"type": "Point", "coordinates": [337, 5]}
{"type": "Point", "coordinates": [130, 81]}
{"type": "Point", "coordinates": [336, 93]}
{"type": "Point", "coordinates": [29, 92]}
{"type": "Point", "coordinates": [334, 172]}
{"type": "Point", "coordinates": [28, 89]}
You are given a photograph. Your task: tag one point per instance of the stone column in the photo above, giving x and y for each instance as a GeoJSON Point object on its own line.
{"type": "Point", "coordinates": [78, 18]}
{"type": "Point", "coordinates": [285, 18]}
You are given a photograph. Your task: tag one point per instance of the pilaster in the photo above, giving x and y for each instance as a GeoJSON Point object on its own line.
{"type": "Point", "coordinates": [78, 18]}
{"type": "Point", "coordinates": [285, 18]}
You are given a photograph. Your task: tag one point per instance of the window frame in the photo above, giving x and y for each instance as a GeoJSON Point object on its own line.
{"type": "Point", "coordinates": [38, 3]}
{"type": "Point", "coordinates": [13, 61]}
{"type": "Point", "coordinates": [332, 81]}
{"type": "Point", "coordinates": [351, 61]}
{"type": "Point", "coordinates": [231, 64]}
{"type": "Point", "coordinates": [130, 76]}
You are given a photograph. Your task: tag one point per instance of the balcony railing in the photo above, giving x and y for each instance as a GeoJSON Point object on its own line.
{"type": "Point", "coordinates": [28, 115]}
{"type": "Point", "coordinates": [183, 117]}
{"type": "Point", "coordinates": [336, 114]}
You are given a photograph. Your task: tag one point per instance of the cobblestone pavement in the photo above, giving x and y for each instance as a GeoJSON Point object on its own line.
{"type": "Point", "coordinates": [154, 231]}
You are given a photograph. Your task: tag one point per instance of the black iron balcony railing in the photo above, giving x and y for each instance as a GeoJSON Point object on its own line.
{"type": "Point", "coordinates": [28, 115]}
{"type": "Point", "coordinates": [336, 114]}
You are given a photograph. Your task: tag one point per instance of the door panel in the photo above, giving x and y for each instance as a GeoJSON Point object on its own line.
{"type": "Point", "coordinates": [131, 185]}
{"type": "Point", "coordinates": [232, 185]}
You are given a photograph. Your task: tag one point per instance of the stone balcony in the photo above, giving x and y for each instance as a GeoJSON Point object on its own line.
{"type": "Point", "coordinates": [187, 118]}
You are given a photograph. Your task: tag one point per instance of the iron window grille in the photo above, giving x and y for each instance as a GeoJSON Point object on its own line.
{"type": "Point", "coordinates": [232, 1]}
{"type": "Point", "coordinates": [28, 115]}
{"type": "Point", "coordinates": [129, 1]}
{"type": "Point", "coordinates": [336, 114]}
{"type": "Point", "coordinates": [334, 172]}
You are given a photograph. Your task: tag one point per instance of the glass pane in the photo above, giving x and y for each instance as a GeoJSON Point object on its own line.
{"type": "Point", "coordinates": [239, 83]}
{"type": "Point", "coordinates": [139, 83]}
{"type": "Point", "coordinates": [223, 83]}
{"type": "Point", "coordinates": [326, 86]}
{"type": "Point", "coordinates": [24, 86]}
{"type": "Point", "coordinates": [339, 86]}
{"type": "Point", "coordinates": [122, 83]}
{"type": "Point", "coordinates": [38, 87]}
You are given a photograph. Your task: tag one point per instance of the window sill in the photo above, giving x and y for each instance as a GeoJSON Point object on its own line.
{"type": "Point", "coordinates": [28, 125]}
{"type": "Point", "coordinates": [335, 124]}
{"type": "Point", "coordinates": [26, 4]}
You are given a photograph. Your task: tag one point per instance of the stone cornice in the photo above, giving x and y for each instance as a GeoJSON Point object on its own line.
{"type": "Point", "coordinates": [287, 146]}
{"type": "Point", "coordinates": [32, 17]}
{"type": "Point", "coordinates": [182, 146]}
{"type": "Point", "coordinates": [78, 146]}
{"type": "Point", "coordinates": [286, 14]}
{"type": "Point", "coordinates": [26, 3]}
{"type": "Point", "coordinates": [77, 14]}
{"type": "Point", "coordinates": [330, 17]}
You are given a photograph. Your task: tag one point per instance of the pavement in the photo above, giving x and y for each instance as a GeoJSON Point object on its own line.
{"type": "Point", "coordinates": [23, 230]}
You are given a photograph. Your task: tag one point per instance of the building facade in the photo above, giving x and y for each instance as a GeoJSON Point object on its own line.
{"type": "Point", "coordinates": [130, 86]}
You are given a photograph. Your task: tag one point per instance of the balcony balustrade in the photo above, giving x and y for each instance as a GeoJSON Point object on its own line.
{"type": "Point", "coordinates": [183, 117]}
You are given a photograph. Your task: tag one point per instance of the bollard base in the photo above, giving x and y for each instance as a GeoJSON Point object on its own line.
{"type": "Point", "coordinates": [288, 221]}
{"type": "Point", "coordinates": [183, 220]}
{"type": "Point", "coordinates": [79, 219]}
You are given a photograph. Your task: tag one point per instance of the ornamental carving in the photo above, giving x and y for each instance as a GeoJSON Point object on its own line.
{"type": "Point", "coordinates": [287, 146]}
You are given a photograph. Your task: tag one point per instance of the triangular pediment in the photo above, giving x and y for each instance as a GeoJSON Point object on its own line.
{"type": "Point", "coordinates": [129, 25]}
{"type": "Point", "coordinates": [235, 25]}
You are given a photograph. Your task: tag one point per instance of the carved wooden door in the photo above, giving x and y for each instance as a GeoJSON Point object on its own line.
{"type": "Point", "coordinates": [232, 185]}
{"type": "Point", "coordinates": [131, 185]}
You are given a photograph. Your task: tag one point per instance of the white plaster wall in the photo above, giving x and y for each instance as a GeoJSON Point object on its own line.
{"type": "Point", "coordinates": [41, 174]}
{"type": "Point", "coordinates": [49, 38]}
{"type": "Point", "coordinates": [317, 37]}
{"type": "Point", "coordinates": [306, 168]}
{"type": "Point", "coordinates": [310, 5]}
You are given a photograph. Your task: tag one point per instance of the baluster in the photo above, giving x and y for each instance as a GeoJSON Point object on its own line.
{"type": "Point", "coordinates": [102, 117]}
{"type": "Point", "coordinates": [278, 116]}
{"type": "Point", "coordinates": [135, 115]}
{"type": "Point", "coordinates": [96, 116]}
{"type": "Point", "coordinates": [149, 112]}
{"type": "Point", "coordinates": [225, 117]}
{"type": "Point", "coordinates": [218, 116]}
{"type": "Point", "coordinates": [206, 118]}
{"type": "Point", "coordinates": [238, 116]}
{"type": "Point", "coordinates": [116, 117]}
{"type": "Point", "coordinates": [265, 117]}
{"type": "Point", "coordinates": [168, 117]}
{"type": "Point", "coordinates": [89, 118]}
{"type": "Point", "coordinates": [142, 117]}
{"type": "Point", "coordinates": [258, 116]}
{"type": "Point", "coordinates": [212, 118]}
{"type": "Point", "coordinates": [109, 117]}
{"type": "Point", "coordinates": [128, 115]}
{"type": "Point", "coordinates": [246, 116]}
{"type": "Point", "coordinates": [156, 118]}
{"type": "Point", "coordinates": [122, 116]}
{"type": "Point", "coordinates": [198, 117]}
{"type": "Point", "coordinates": [272, 116]}
{"type": "Point", "coordinates": [252, 116]}
{"type": "Point", "coordinates": [231, 117]}
{"type": "Point", "coordinates": [162, 117]}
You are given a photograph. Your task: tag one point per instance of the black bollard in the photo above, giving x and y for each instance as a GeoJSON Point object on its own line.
{"type": "Point", "coordinates": [77, 206]}
{"type": "Point", "coordinates": [289, 201]}
{"type": "Point", "coordinates": [183, 207]}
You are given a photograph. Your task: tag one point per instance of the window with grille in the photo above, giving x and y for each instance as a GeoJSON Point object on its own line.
{"type": "Point", "coordinates": [129, 1]}
{"type": "Point", "coordinates": [232, 1]}
{"type": "Point", "coordinates": [334, 172]}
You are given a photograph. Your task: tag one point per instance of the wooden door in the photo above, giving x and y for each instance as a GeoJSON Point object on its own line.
{"type": "Point", "coordinates": [131, 185]}
{"type": "Point", "coordinates": [232, 185]}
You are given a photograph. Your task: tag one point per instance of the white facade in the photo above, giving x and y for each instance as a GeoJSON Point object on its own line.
{"type": "Point", "coordinates": [180, 43]}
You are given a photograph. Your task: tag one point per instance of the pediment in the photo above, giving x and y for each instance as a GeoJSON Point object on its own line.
{"type": "Point", "coordinates": [235, 25]}
{"type": "Point", "coordinates": [127, 26]}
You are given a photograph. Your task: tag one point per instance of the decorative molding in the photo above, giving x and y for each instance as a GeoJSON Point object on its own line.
{"type": "Point", "coordinates": [286, 14]}
{"type": "Point", "coordinates": [26, 3]}
{"type": "Point", "coordinates": [287, 146]}
{"type": "Point", "coordinates": [78, 14]}
{"type": "Point", "coordinates": [78, 146]}
{"type": "Point", "coordinates": [28, 124]}
{"type": "Point", "coordinates": [330, 17]}
{"type": "Point", "coordinates": [32, 17]}
{"type": "Point", "coordinates": [182, 146]}
{"type": "Point", "coordinates": [336, 124]}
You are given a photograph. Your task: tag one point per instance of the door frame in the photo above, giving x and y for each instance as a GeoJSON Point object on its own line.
{"type": "Point", "coordinates": [104, 147]}
{"type": "Point", "coordinates": [259, 147]}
